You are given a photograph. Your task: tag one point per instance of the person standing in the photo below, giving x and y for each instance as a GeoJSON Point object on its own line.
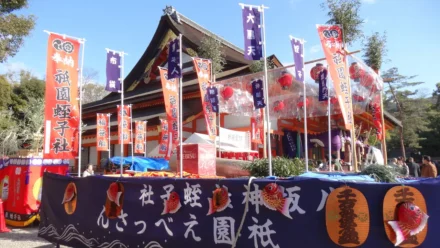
{"type": "Point", "coordinates": [89, 171]}
{"type": "Point", "coordinates": [414, 168]}
{"type": "Point", "coordinates": [428, 168]}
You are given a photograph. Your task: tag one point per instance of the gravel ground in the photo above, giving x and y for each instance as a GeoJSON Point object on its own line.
{"type": "Point", "coordinates": [23, 238]}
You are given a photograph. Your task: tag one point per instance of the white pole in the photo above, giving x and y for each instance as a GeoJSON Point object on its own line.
{"type": "Point", "coordinates": [131, 133]}
{"type": "Point", "coordinates": [306, 154]}
{"type": "Point", "coordinates": [83, 41]}
{"type": "Point", "coordinates": [145, 139]}
{"type": "Point", "coordinates": [109, 138]}
{"type": "Point", "coordinates": [180, 108]}
{"type": "Point", "coordinates": [121, 160]}
{"type": "Point", "coordinates": [329, 127]}
{"type": "Point", "coordinates": [266, 93]}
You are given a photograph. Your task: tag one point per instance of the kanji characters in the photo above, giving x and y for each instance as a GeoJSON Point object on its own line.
{"type": "Point", "coordinates": [323, 199]}
{"type": "Point", "coordinates": [263, 233]}
{"type": "Point", "coordinates": [192, 193]}
{"type": "Point", "coordinates": [146, 194]}
{"type": "Point", "coordinates": [224, 230]}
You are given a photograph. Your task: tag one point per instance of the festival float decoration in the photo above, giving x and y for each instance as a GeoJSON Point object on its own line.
{"type": "Point", "coordinates": [273, 199]}
{"type": "Point", "coordinates": [172, 204]}
{"type": "Point", "coordinates": [285, 80]}
{"type": "Point", "coordinates": [404, 216]}
{"type": "Point", "coordinates": [220, 200]}
{"type": "Point", "coordinates": [115, 200]}
{"type": "Point", "coordinates": [70, 198]}
{"type": "Point", "coordinates": [314, 72]}
{"type": "Point", "coordinates": [227, 92]}
{"type": "Point", "coordinates": [347, 217]}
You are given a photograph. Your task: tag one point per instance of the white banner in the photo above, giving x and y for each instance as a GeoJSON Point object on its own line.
{"type": "Point", "coordinates": [235, 138]}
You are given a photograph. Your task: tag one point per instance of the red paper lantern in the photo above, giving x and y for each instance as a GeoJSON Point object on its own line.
{"type": "Point", "coordinates": [367, 80]}
{"type": "Point", "coordinates": [314, 72]}
{"type": "Point", "coordinates": [333, 100]}
{"type": "Point", "coordinates": [249, 87]}
{"type": "Point", "coordinates": [279, 106]}
{"type": "Point", "coordinates": [285, 80]}
{"type": "Point", "coordinates": [356, 71]}
{"type": "Point", "coordinates": [301, 103]}
{"type": "Point", "coordinates": [227, 92]}
{"type": "Point", "coordinates": [358, 98]}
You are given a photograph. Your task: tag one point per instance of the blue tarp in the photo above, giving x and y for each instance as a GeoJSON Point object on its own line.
{"type": "Point", "coordinates": [339, 177]}
{"type": "Point", "coordinates": [143, 164]}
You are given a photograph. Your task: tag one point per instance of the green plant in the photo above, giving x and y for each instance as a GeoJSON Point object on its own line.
{"type": "Point", "coordinates": [282, 167]}
{"type": "Point", "coordinates": [383, 173]}
{"type": "Point", "coordinates": [211, 48]}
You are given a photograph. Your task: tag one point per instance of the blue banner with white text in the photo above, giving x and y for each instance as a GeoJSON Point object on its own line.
{"type": "Point", "coordinates": [168, 212]}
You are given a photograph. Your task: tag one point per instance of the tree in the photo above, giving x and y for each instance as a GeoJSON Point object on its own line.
{"type": "Point", "coordinates": [13, 28]}
{"type": "Point", "coordinates": [212, 49]}
{"type": "Point", "coordinates": [375, 50]}
{"type": "Point", "coordinates": [401, 102]}
{"type": "Point", "coordinates": [258, 66]}
{"type": "Point", "coordinates": [345, 13]}
{"type": "Point", "coordinates": [5, 93]}
{"type": "Point", "coordinates": [92, 90]}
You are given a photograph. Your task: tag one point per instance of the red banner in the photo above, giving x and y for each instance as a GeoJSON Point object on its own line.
{"type": "Point", "coordinates": [332, 43]}
{"type": "Point", "coordinates": [171, 100]}
{"type": "Point", "coordinates": [165, 142]}
{"type": "Point", "coordinates": [61, 121]}
{"type": "Point", "coordinates": [140, 136]}
{"type": "Point", "coordinates": [102, 132]}
{"type": "Point", "coordinates": [203, 69]}
{"type": "Point", "coordinates": [376, 112]}
{"type": "Point", "coordinates": [124, 124]}
{"type": "Point", "coordinates": [257, 127]}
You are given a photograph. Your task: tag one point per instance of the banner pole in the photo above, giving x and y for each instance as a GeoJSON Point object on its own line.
{"type": "Point", "coordinates": [180, 108]}
{"type": "Point", "coordinates": [131, 133]}
{"type": "Point", "coordinates": [80, 106]}
{"type": "Point", "coordinates": [109, 137]}
{"type": "Point", "coordinates": [121, 160]}
{"type": "Point", "coordinates": [329, 126]}
{"type": "Point", "coordinates": [145, 139]}
{"type": "Point", "coordinates": [306, 153]}
{"type": "Point", "coordinates": [266, 93]}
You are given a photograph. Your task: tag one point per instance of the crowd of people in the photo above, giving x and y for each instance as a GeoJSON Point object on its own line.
{"type": "Point", "coordinates": [412, 169]}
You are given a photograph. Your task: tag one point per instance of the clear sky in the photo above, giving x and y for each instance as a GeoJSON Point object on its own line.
{"type": "Point", "coordinates": [412, 27]}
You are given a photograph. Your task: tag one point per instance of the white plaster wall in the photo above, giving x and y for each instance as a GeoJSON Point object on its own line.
{"type": "Point", "coordinates": [237, 121]}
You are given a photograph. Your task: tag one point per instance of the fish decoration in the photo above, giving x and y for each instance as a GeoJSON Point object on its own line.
{"type": "Point", "coordinates": [410, 221]}
{"type": "Point", "coordinates": [272, 195]}
{"type": "Point", "coordinates": [172, 204]}
{"type": "Point", "coordinates": [114, 193]}
{"type": "Point", "coordinates": [220, 200]}
{"type": "Point", "coordinates": [69, 193]}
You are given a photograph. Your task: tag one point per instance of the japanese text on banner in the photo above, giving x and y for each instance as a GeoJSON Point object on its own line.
{"type": "Point", "coordinates": [113, 72]}
{"type": "Point", "coordinates": [61, 115]}
{"type": "Point", "coordinates": [203, 69]}
{"type": "Point", "coordinates": [124, 124]}
{"type": "Point", "coordinates": [140, 136]}
{"type": "Point", "coordinates": [165, 145]}
{"type": "Point", "coordinates": [332, 44]}
{"type": "Point", "coordinates": [102, 134]}
{"type": "Point", "coordinates": [253, 48]}
{"type": "Point", "coordinates": [171, 99]}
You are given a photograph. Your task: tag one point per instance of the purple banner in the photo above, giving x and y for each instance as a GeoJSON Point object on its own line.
{"type": "Point", "coordinates": [298, 57]}
{"type": "Point", "coordinates": [113, 72]}
{"type": "Point", "coordinates": [174, 59]}
{"type": "Point", "coordinates": [323, 90]}
{"type": "Point", "coordinates": [253, 49]}
{"type": "Point", "coordinates": [212, 93]}
{"type": "Point", "coordinates": [258, 94]}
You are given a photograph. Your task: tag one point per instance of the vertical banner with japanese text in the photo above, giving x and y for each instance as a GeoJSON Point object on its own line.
{"type": "Point", "coordinates": [170, 96]}
{"type": "Point", "coordinates": [298, 58]}
{"type": "Point", "coordinates": [113, 72]}
{"type": "Point", "coordinates": [253, 47]}
{"type": "Point", "coordinates": [102, 134]}
{"type": "Point", "coordinates": [140, 136]}
{"type": "Point", "coordinates": [174, 59]}
{"type": "Point", "coordinates": [61, 118]}
{"type": "Point", "coordinates": [124, 127]}
{"type": "Point", "coordinates": [333, 46]}
{"type": "Point", "coordinates": [203, 69]}
{"type": "Point", "coordinates": [165, 144]}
